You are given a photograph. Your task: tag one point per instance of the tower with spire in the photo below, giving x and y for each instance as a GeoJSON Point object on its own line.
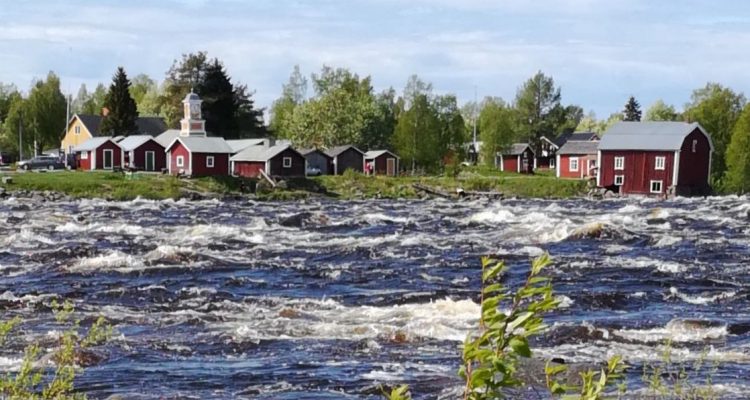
{"type": "Point", "coordinates": [192, 124]}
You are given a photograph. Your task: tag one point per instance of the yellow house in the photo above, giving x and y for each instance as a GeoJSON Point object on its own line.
{"type": "Point", "coordinates": [83, 127]}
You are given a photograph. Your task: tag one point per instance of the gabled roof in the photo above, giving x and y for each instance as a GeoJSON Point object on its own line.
{"type": "Point", "coordinates": [93, 143]}
{"type": "Point", "coordinates": [516, 149]}
{"type": "Point", "coordinates": [651, 136]}
{"type": "Point", "coordinates": [377, 153]}
{"type": "Point", "coordinates": [151, 126]}
{"type": "Point", "coordinates": [200, 144]}
{"type": "Point", "coordinates": [306, 152]}
{"type": "Point", "coordinates": [131, 143]}
{"type": "Point", "coordinates": [238, 145]}
{"type": "Point", "coordinates": [335, 151]}
{"type": "Point", "coordinates": [577, 136]}
{"type": "Point", "coordinates": [260, 153]}
{"type": "Point", "coordinates": [580, 147]}
{"type": "Point", "coordinates": [167, 137]}
{"type": "Point", "coordinates": [552, 142]}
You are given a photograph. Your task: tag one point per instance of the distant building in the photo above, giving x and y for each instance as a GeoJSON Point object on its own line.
{"type": "Point", "coordinates": [143, 153]}
{"type": "Point", "coordinates": [192, 152]}
{"type": "Point", "coordinates": [83, 127]}
{"type": "Point", "coordinates": [577, 159]}
{"type": "Point", "coordinates": [276, 161]}
{"type": "Point", "coordinates": [317, 158]}
{"type": "Point", "coordinates": [346, 157]}
{"type": "Point", "coordinates": [99, 153]}
{"type": "Point", "coordinates": [518, 157]}
{"type": "Point", "coordinates": [383, 162]}
{"type": "Point", "coordinates": [655, 158]}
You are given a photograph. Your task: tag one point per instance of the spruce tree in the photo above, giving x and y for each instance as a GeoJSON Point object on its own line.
{"type": "Point", "coordinates": [122, 108]}
{"type": "Point", "coordinates": [737, 176]}
{"type": "Point", "coordinates": [632, 110]}
{"type": "Point", "coordinates": [219, 105]}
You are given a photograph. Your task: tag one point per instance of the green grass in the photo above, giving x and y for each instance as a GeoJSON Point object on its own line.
{"type": "Point", "coordinates": [117, 186]}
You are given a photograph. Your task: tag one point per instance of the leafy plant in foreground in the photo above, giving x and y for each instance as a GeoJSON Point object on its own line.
{"type": "Point", "coordinates": [27, 382]}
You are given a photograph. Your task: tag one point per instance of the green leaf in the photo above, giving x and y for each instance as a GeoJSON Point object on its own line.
{"type": "Point", "coordinates": [520, 346]}
{"type": "Point", "coordinates": [519, 320]}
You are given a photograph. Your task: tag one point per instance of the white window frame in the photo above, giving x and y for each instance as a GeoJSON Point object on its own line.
{"type": "Point", "coordinates": [84, 155]}
{"type": "Point", "coordinates": [660, 163]}
{"type": "Point", "coordinates": [287, 162]}
{"type": "Point", "coordinates": [620, 178]}
{"type": "Point", "coordinates": [180, 161]}
{"type": "Point", "coordinates": [619, 163]}
{"type": "Point", "coordinates": [571, 162]}
{"type": "Point", "coordinates": [77, 130]}
{"type": "Point", "coordinates": [661, 186]}
{"type": "Point", "coordinates": [695, 145]}
{"type": "Point", "coordinates": [209, 161]}
{"type": "Point", "coordinates": [552, 161]}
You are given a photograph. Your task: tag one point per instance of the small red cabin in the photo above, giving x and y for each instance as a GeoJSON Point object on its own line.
{"type": "Point", "coordinates": [143, 153]}
{"type": "Point", "coordinates": [383, 162]}
{"type": "Point", "coordinates": [276, 161]}
{"type": "Point", "coordinates": [656, 158]}
{"type": "Point", "coordinates": [346, 157]}
{"type": "Point", "coordinates": [98, 153]}
{"type": "Point", "coordinates": [198, 156]}
{"type": "Point", "coordinates": [519, 157]}
{"type": "Point", "coordinates": [577, 159]}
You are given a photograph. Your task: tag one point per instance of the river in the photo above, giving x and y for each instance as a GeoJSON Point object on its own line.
{"type": "Point", "coordinates": [238, 300]}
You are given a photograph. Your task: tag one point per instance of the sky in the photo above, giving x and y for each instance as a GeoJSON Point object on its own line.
{"type": "Point", "coordinates": [599, 52]}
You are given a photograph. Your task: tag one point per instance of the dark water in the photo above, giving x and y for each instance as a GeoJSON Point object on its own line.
{"type": "Point", "coordinates": [222, 300]}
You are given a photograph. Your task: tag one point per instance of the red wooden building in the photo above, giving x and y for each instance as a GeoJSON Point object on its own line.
{"type": "Point", "coordinates": [656, 158]}
{"type": "Point", "coordinates": [276, 161]}
{"type": "Point", "coordinates": [577, 159]}
{"type": "Point", "coordinates": [519, 157]}
{"type": "Point", "coordinates": [98, 153]}
{"type": "Point", "coordinates": [143, 153]}
{"type": "Point", "coordinates": [383, 162]}
{"type": "Point", "coordinates": [346, 157]}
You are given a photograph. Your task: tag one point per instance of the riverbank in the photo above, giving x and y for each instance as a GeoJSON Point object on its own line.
{"type": "Point", "coordinates": [116, 186]}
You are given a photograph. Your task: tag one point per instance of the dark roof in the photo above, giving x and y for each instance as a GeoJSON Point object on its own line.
{"type": "Point", "coordinates": [580, 147]}
{"type": "Point", "coordinates": [516, 149]}
{"type": "Point", "coordinates": [577, 136]}
{"type": "Point", "coordinates": [306, 152]}
{"type": "Point", "coordinates": [335, 151]}
{"type": "Point", "coordinates": [151, 126]}
{"type": "Point", "coordinates": [650, 136]}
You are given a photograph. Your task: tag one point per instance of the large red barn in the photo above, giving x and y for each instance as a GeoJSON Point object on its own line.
{"type": "Point", "coordinates": [519, 157]}
{"type": "Point", "coordinates": [656, 158]}
{"type": "Point", "coordinates": [98, 153]}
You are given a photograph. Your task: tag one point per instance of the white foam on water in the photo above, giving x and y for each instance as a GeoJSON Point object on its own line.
{"type": "Point", "coordinates": [599, 351]}
{"type": "Point", "coordinates": [376, 218]}
{"type": "Point", "coordinates": [10, 364]}
{"type": "Point", "coordinates": [701, 299]}
{"type": "Point", "coordinates": [112, 261]}
{"type": "Point", "coordinates": [115, 229]}
{"type": "Point", "coordinates": [676, 331]}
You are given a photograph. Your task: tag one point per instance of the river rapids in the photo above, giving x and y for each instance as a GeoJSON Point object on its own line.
{"type": "Point", "coordinates": [332, 299]}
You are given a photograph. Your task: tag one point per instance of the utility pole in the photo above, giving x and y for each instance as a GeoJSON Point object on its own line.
{"type": "Point", "coordinates": [20, 137]}
{"type": "Point", "coordinates": [476, 115]}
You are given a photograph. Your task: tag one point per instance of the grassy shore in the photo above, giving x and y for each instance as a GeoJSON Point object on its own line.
{"type": "Point", "coordinates": [117, 186]}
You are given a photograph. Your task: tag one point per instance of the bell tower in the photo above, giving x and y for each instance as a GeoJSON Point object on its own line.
{"type": "Point", "coordinates": [191, 124]}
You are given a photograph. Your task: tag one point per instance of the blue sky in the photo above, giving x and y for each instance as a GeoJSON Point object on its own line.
{"type": "Point", "coordinates": [599, 51]}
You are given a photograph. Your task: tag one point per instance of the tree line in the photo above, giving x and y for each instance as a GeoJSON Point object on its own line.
{"type": "Point", "coordinates": [336, 106]}
{"type": "Point", "coordinates": [228, 106]}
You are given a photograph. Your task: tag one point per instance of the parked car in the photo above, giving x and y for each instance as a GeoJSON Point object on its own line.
{"type": "Point", "coordinates": [41, 162]}
{"type": "Point", "coordinates": [312, 171]}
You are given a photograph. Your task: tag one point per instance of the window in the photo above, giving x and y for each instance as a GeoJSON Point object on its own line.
{"type": "Point", "coordinates": [620, 163]}
{"type": "Point", "coordinates": [287, 162]}
{"type": "Point", "coordinates": [84, 155]}
{"type": "Point", "coordinates": [552, 162]}
{"type": "Point", "coordinates": [78, 130]}
{"type": "Point", "coordinates": [209, 161]}
{"type": "Point", "coordinates": [180, 161]}
{"type": "Point", "coordinates": [656, 186]}
{"type": "Point", "coordinates": [695, 146]}
{"type": "Point", "coordinates": [619, 180]}
{"type": "Point", "coordinates": [574, 163]}
{"type": "Point", "coordinates": [660, 161]}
